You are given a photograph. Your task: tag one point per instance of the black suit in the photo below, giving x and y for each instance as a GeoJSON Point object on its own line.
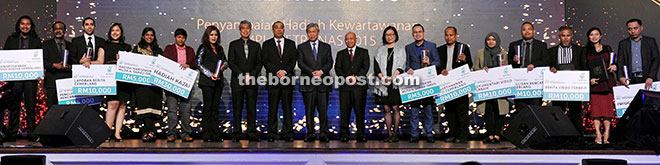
{"type": "Point", "coordinates": [207, 62]}
{"type": "Point", "coordinates": [315, 97]}
{"type": "Point", "coordinates": [352, 96]}
{"type": "Point", "coordinates": [240, 66]}
{"type": "Point", "coordinates": [539, 53]}
{"type": "Point", "coordinates": [649, 52]}
{"type": "Point", "coordinates": [52, 54]}
{"type": "Point", "coordinates": [539, 58]}
{"type": "Point", "coordinates": [79, 47]}
{"type": "Point", "coordinates": [21, 90]}
{"type": "Point", "coordinates": [273, 63]}
{"type": "Point", "coordinates": [456, 110]}
{"type": "Point", "coordinates": [578, 62]}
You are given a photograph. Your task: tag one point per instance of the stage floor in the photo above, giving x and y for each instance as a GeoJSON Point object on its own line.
{"type": "Point", "coordinates": [299, 146]}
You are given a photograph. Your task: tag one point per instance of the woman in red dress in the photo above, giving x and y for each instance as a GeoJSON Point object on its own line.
{"type": "Point", "coordinates": [602, 99]}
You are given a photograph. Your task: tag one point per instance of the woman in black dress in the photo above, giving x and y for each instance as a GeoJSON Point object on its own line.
{"type": "Point", "coordinates": [148, 99]}
{"type": "Point", "coordinates": [108, 54]}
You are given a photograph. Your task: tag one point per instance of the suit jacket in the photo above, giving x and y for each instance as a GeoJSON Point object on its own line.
{"type": "Point", "coordinates": [344, 67]}
{"type": "Point", "coordinates": [308, 64]}
{"type": "Point", "coordinates": [442, 50]}
{"type": "Point", "coordinates": [79, 47]}
{"type": "Point", "coordinates": [241, 65]}
{"type": "Point", "coordinates": [53, 55]}
{"type": "Point", "coordinates": [579, 60]}
{"type": "Point", "coordinates": [12, 42]}
{"type": "Point", "coordinates": [414, 61]}
{"type": "Point", "coordinates": [207, 62]}
{"type": "Point", "coordinates": [649, 51]}
{"type": "Point", "coordinates": [191, 59]}
{"type": "Point", "coordinates": [539, 53]}
{"type": "Point", "coordinates": [273, 62]}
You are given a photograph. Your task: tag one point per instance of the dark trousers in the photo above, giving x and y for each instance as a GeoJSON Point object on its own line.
{"type": "Point", "coordinates": [456, 112]}
{"type": "Point", "coordinates": [316, 101]}
{"type": "Point", "coordinates": [574, 112]}
{"type": "Point", "coordinates": [51, 96]}
{"type": "Point", "coordinates": [494, 121]}
{"type": "Point", "coordinates": [286, 97]}
{"type": "Point", "coordinates": [249, 98]}
{"type": "Point", "coordinates": [352, 100]}
{"type": "Point", "coordinates": [211, 98]}
{"type": "Point", "coordinates": [24, 91]}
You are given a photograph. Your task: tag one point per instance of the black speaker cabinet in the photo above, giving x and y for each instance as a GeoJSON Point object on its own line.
{"type": "Point", "coordinates": [23, 159]}
{"type": "Point", "coordinates": [72, 125]}
{"type": "Point", "coordinates": [539, 126]}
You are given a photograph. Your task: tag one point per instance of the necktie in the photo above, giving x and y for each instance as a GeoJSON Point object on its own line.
{"type": "Point", "coordinates": [279, 48]}
{"type": "Point", "coordinates": [245, 48]}
{"type": "Point", "coordinates": [350, 52]}
{"type": "Point", "coordinates": [528, 55]}
{"type": "Point", "coordinates": [90, 45]}
{"type": "Point", "coordinates": [314, 49]}
{"type": "Point", "coordinates": [59, 47]}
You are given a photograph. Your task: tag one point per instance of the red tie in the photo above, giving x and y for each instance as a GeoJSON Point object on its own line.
{"type": "Point", "coordinates": [279, 48]}
{"type": "Point", "coordinates": [350, 52]}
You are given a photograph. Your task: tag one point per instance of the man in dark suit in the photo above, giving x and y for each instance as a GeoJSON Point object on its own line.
{"type": "Point", "coordinates": [639, 54]}
{"type": "Point", "coordinates": [24, 37]}
{"type": "Point", "coordinates": [80, 44]}
{"type": "Point", "coordinates": [533, 53]}
{"type": "Point", "coordinates": [453, 55]}
{"type": "Point", "coordinates": [279, 58]}
{"type": "Point", "coordinates": [54, 52]}
{"type": "Point", "coordinates": [245, 64]}
{"type": "Point", "coordinates": [352, 64]}
{"type": "Point", "coordinates": [568, 56]}
{"type": "Point", "coordinates": [315, 62]}
{"type": "Point", "coordinates": [416, 59]}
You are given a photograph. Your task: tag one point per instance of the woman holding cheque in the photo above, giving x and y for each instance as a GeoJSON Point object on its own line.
{"type": "Point", "coordinates": [148, 99]}
{"type": "Point", "coordinates": [211, 61]}
{"type": "Point", "coordinates": [108, 54]}
{"type": "Point", "coordinates": [602, 98]}
{"type": "Point", "coordinates": [493, 110]}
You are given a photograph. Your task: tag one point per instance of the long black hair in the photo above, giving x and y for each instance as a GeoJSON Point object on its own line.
{"type": "Point", "coordinates": [143, 44]}
{"type": "Point", "coordinates": [121, 36]}
{"type": "Point", "coordinates": [17, 29]}
{"type": "Point", "coordinates": [591, 49]}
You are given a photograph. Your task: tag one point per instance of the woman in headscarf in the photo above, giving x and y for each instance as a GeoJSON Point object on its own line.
{"type": "Point", "coordinates": [492, 55]}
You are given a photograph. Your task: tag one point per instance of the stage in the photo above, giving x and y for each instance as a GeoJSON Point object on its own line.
{"type": "Point", "coordinates": [134, 151]}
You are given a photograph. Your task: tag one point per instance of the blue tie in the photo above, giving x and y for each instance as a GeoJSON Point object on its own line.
{"type": "Point", "coordinates": [314, 49]}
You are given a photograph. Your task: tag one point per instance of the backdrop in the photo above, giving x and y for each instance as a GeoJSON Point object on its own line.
{"type": "Point", "coordinates": [473, 18]}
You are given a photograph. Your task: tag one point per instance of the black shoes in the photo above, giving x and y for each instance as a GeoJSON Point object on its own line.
{"type": "Point", "coordinates": [324, 139]}
{"type": "Point", "coordinates": [450, 139]}
{"type": "Point", "coordinates": [414, 139]}
{"type": "Point", "coordinates": [430, 139]}
{"type": "Point", "coordinates": [361, 139]}
{"type": "Point", "coordinates": [344, 139]}
{"type": "Point", "coordinates": [310, 138]}
{"type": "Point", "coordinates": [289, 139]}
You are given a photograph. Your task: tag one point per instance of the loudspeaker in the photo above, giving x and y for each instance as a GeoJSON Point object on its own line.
{"type": "Point", "coordinates": [638, 128]}
{"type": "Point", "coordinates": [604, 162]}
{"type": "Point", "coordinates": [539, 127]}
{"type": "Point", "coordinates": [72, 125]}
{"type": "Point", "coordinates": [23, 159]}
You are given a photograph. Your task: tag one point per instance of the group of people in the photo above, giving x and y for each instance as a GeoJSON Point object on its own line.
{"type": "Point", "coordinates": [279, 56]}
